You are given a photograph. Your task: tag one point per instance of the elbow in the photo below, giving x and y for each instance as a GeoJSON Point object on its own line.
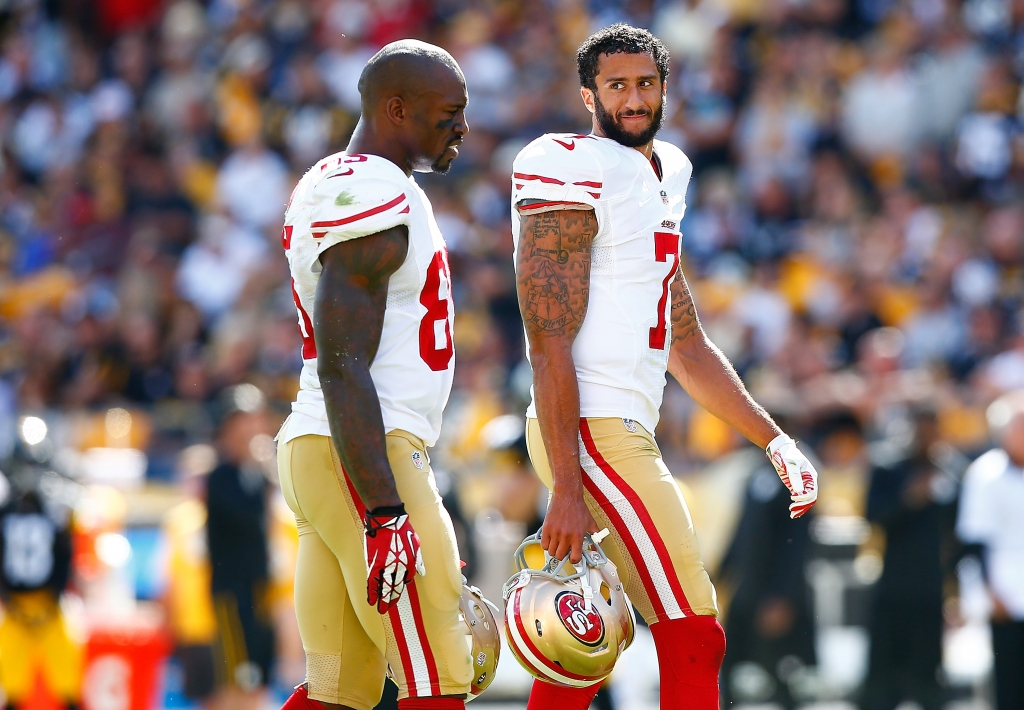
{"type": "Point", "coordinates": [544, 355]}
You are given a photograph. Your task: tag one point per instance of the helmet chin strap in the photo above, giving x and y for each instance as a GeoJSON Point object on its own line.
{"type": "Point", "coordinates": [585, 586]}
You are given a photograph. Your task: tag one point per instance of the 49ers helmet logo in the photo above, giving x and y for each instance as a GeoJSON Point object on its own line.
{"type": "Point", "coordinates": [588, 627]}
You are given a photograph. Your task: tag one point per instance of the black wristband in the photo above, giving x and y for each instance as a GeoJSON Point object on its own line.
{"type": "Point", "coordinates": [387, 511]}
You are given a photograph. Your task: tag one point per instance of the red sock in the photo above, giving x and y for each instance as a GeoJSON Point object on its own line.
{"type": "Point", "coordinates": [300, 700]}
{"type": "Point", "coordinates": [431, 704]}
{"type": "Point", "coordinates": [546, 696]}
{"type": "Point", "coordinates": [690, 653]}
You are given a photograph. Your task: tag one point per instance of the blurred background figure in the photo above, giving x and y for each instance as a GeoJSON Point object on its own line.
{"type": "Point", "coordinates": [990, 521]}
{"type": "Point", "coordinates": [43, 659]}
{"type": "Point", "coordinates": [914, 504]}
{"type": "Point", "coordinates": [769, 620]}
{"type": "Point", "coordinates": [189, 598]}
{"type": "Point", "coordinates": [236, 530]}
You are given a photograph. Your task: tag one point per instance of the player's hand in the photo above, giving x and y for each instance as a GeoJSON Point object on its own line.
{"type": "Point", "coordinates": [393, 554]}
{"type": "Point", "coordinates": [567, 520]}
{"type": "Point", "coordinates": [796, 472]}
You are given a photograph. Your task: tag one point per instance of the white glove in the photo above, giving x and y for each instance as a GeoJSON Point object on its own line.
{"type": "Point", "coordinates": [796, 472]}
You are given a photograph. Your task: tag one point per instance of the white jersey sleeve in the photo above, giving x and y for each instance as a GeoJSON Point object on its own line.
{"type": "Point", "coordinates": [343, 208]}
{"type": "Point", "coordinates": [559, 170]}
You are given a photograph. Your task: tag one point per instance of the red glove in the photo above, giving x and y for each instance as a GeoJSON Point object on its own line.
{"type": "Point", "coordinates": [393, 554]}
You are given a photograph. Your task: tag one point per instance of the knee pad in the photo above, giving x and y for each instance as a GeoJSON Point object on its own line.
{"type": "Point", "coordinates": [691, 648]}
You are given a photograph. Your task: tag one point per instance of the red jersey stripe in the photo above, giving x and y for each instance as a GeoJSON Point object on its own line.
{"type": "Point", "coordinates": [548, 180]}
{"type": "Point", "coordinates": [543, 205]}
{"type": "Point", "coordinates": [362, 215]}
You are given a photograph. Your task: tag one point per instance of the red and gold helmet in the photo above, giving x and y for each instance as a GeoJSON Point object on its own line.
{"type": "Point", "coordinates": [567, 624]}
{"type": "Point", "coordinates": [483, 630]}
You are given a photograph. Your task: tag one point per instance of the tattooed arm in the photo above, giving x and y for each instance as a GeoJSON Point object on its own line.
{"type": "Point", "coordinates": [348, 318]}
{"type": "Point", "coordinates": [707, 375]}
{"type": "Point", "coordinates": [553, 283]}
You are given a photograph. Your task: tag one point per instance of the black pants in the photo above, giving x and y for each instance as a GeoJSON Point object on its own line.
{"type": "Point", "coordinates": [1008, 647]}
{"type": "Point", "coordinates": [906, 650]}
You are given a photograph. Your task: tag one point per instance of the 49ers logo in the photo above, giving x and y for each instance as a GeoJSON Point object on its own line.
{"type": "Point", "coordinates": [588, 627]}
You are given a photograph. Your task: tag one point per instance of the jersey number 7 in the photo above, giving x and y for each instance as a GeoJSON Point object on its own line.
{"type": "Point", "coordinates": [666, 245]}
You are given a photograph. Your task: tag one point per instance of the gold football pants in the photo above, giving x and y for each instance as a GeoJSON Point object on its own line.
{"type": "Point", "coordinates": [629, 490]}
{"type": "Point", "coordinates": [349, 645]}
{"type": "Point", "coordinates": [34, 639]}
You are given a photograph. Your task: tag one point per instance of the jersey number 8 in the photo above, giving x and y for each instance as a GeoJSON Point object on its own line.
{"type": "Point", "coordinates": [435, 333]}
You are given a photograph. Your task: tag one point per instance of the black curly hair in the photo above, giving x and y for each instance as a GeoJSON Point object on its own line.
{"type": "Point", "coordinates": [614, 39]}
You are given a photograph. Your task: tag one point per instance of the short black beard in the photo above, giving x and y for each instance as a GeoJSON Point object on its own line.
{"type": "Point", "coordinates": [617, 133]}
{"type": "Point", "coordinates": [441, 169]}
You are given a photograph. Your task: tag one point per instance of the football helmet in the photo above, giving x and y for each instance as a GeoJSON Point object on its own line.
{"type": "Point", "coordinates": [567, 624]}
{"type": "Point", "coordinates": [477, 612]}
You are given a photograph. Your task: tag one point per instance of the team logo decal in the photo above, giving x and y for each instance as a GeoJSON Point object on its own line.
{"type": "Point", "coordinates": [480, 659]}
{"type": "Point", "coordinates": [417, 459]}
{"type": "Point", "coordinates": [586, 626]}
{"type": "Point", "coordinates": [668, 224]}
{"type": "Point", "coordinates": [630, 425]}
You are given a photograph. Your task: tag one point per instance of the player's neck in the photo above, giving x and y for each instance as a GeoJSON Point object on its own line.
{"type": "Point", "coordinates": [647, 149]}
{"type": "Point", "coordinates": [365, 141]}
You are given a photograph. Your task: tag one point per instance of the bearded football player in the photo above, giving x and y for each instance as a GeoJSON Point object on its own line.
{"type": "Point", "coordinates": [607, 311]}
{"type": "Point", "coordinates": [377, 578]}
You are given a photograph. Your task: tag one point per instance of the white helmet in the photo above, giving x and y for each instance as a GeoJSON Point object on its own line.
{"type": "Point", "coordinates": [567, 624]}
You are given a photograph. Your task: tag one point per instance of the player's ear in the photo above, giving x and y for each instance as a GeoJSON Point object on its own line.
{"type": "Point", "coordinates": [395, 109]}
{"type": "Point", "coordinates": [588, 98]}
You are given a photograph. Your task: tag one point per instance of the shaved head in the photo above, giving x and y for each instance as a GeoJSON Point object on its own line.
{"type": "Point", "coordinates": [414, 101]}
{"type": "Point", "coordinates": [405, 68]}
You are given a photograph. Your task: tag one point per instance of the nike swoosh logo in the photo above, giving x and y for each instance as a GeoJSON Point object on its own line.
{"type": "Point", "coordinates": [568, 146]}
{"type": "Point", "coordinates": [644, 202]}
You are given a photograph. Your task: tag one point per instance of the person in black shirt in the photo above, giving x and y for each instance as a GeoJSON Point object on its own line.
{"type": "Point", "coordinates": [237, 539]}
{"type": "Point", "coordinates": [915, 504]}
{"type": "Point", "coordinates": [770, 622]}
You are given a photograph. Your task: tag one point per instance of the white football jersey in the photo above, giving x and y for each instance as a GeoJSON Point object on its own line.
{"type": "Point", "coordinates": [621, 351]}
{"type": "Point", "coordinates": [347, 196]}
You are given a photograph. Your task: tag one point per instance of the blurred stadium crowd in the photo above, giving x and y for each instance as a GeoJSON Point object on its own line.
{"type": "Point", "coordinates": [854, 238]}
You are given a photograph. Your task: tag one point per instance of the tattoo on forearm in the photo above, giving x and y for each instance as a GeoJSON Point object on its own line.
{"type": "Point", "coordinates": [553, 274]}
{"type": "Point", "coordinates": [685, 323]}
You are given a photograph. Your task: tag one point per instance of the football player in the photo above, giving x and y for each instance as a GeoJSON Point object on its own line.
{"type": "Point", "coordinates": [596, 220]}
{"type": "Point", "coordinates": [377, 578]}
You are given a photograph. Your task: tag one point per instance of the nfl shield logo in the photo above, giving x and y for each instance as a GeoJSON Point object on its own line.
{"type": "Point", "coordinates": [664, 197]}
{"type": "Point", "coordinates": [417, 459]}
